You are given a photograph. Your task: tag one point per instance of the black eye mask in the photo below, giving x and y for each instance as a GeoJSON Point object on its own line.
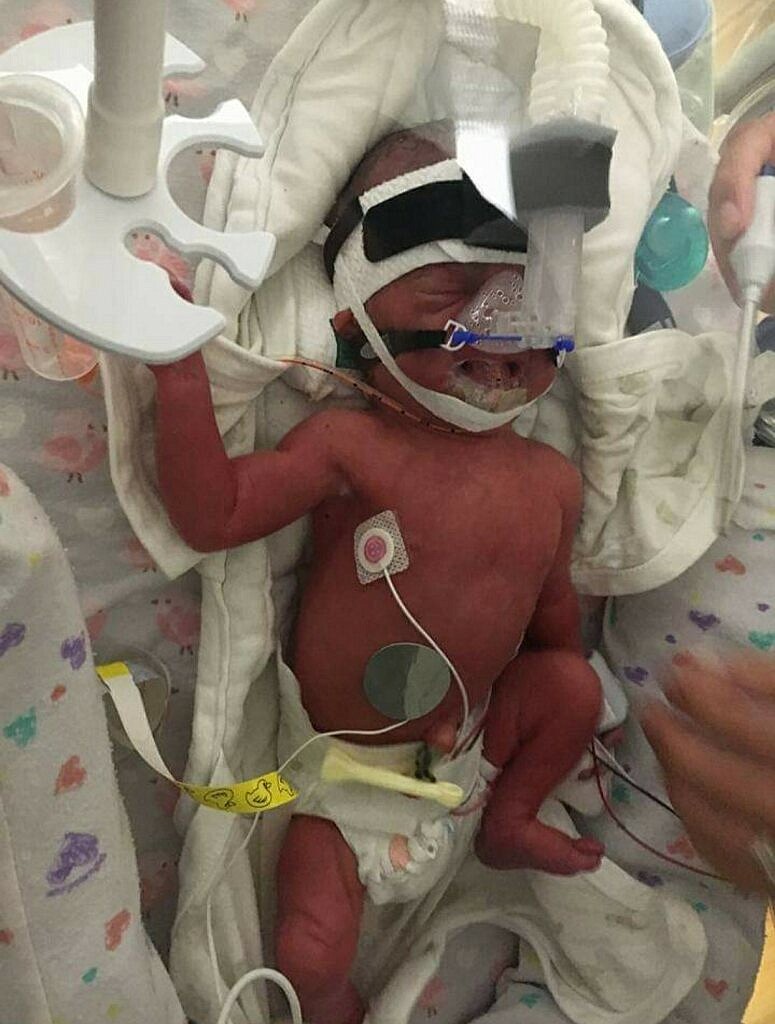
{"type": "Point", "coordinates": [434, 212]}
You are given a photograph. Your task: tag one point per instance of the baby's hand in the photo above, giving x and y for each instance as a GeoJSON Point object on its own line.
{"type": "Point", "coordinates": [182, 289]}
{"type": "Point", "coordinates": [718, 756]}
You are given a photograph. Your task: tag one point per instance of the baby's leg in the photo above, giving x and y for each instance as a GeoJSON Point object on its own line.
{"type": "Point", "coordinates": [320, 901]}
{"type": "Point", "coordinates": [543, 715]}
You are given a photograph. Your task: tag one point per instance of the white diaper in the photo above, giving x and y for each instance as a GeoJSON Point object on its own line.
{"type": "Point", "coordinates": [404, 846]}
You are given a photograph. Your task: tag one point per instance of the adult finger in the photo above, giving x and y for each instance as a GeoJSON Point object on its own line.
{"type": "Point", "coordinates": [722, 840]}
{"type": "Point", "coordinates": [744, 152]}
{"type": "Point", "coordinates": [752, 671]}
{"type": "Point", "coordinates": [739, 786]}
{"type": "Point", "coordinates": [733, 716]}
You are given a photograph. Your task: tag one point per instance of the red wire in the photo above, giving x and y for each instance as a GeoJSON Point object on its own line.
{"type": "Point", "coordinates": [369, 391]}
{"type": "Point", "coordinates": [636, 839]}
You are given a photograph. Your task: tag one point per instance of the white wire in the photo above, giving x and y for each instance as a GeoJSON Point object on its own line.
{"type": "Point", "coordinates": [219, 986]}
{"type": "Point", "coordinates": [745, 344]}
{"type": "Point", "coordinates": [262, 974]}
{"type": "Point", "coordinates": [340, 732]}
{"type": "Point", "coordinates": [434, 645]}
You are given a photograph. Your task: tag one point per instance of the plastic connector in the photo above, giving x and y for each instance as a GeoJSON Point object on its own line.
{"type": "Point", "coordinates": [753, 258]}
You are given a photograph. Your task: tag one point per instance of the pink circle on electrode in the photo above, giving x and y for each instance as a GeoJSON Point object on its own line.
{"type": "Point", "coordinates": [375, 549]}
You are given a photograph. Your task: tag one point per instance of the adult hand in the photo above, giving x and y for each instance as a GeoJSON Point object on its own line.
{"type": "Point", "coordinates": [743, 153]}
{"type": "Point", "coordinates": [716, 745]}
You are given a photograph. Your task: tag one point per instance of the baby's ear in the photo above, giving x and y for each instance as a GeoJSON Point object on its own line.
{"type": "Point", "coordinates": [345, 325]}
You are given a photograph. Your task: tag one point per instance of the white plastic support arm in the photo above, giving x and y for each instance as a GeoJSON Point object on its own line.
{"type": "Point", "coordinates": [126, 110]}
{"type": "Point", "coordinates": [80, 276]}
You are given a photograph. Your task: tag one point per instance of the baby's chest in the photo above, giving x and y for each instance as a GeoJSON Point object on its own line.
{"type": "Point", "coordinates": [475, 516]}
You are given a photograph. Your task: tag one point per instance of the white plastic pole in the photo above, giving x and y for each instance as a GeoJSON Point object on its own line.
{"type": "Point", "coordinates": [126, 109]}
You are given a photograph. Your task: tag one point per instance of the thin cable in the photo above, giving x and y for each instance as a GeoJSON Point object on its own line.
{"type": "Point", "coordinates": [370, 392]}
{"type": "Point", "coordinates": [219, 986]}
{"type": "Point", "coordinates": [613, 767]}
{"type": "Point", "coordinates": [341, 732]}
{"type": "Point", "coordinates": [262, 974]}
{"type": "Point", "coordinates": [636, 839]}
{"type": "Point", "coordinates": [733, 458]}
{"type": "Point", "coordinates": [434, 645]}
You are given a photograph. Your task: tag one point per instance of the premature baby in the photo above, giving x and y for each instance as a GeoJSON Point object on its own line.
{"type": "Point", "coordinates": [487, 519]}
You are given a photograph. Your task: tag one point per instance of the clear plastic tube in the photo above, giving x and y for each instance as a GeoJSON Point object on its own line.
{"type": "Point", "coordinates": [47, 351]}
{"type": "Point", "coordinates": [572, 67]}
{"type": "Point", "coordinates": [571, 79]}
{"type": "Point", "coordinates": [552, 273]}
{"type": "Point", "coordinates": [41, 146]}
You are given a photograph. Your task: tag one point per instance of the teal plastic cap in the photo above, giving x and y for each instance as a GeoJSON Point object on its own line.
{"type": "Point", "coordinates": [674, 246]}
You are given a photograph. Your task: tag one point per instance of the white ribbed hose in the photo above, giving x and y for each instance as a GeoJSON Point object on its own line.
{"type": "Point", "coordinates": [572, 65]}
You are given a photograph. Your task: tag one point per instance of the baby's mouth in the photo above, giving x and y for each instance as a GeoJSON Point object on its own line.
{"type": "Point", "coordinates": [491, 383]}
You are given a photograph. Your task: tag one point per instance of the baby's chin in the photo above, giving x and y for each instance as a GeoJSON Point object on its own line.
{"type": "Point", "coordinates": [481, 380]}
{"type": "Point", "coordinates": [487, 397]}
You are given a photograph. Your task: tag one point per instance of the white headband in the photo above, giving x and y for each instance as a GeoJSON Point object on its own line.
{"type": "Point", "coordinates": [367, 277]}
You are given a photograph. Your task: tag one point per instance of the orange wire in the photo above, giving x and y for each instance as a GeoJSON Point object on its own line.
{"type": "Point", "coordinates": [368, 391]}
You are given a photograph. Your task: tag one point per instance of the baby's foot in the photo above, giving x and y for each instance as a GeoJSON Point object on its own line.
{"type": "Point", "coordinates": [538, 847]}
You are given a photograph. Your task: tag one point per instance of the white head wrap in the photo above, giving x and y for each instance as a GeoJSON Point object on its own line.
{"type": "Point", "coordinates": [367, 278]}
{"type": "Point", "coordinates": [356, 280]}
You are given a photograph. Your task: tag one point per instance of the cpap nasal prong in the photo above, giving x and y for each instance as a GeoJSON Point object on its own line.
{"type": "Point", "coordinates": [457, 333]}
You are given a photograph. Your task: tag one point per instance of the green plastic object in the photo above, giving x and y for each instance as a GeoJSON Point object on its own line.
{"type": "Point", "coordinates": [674, 246]}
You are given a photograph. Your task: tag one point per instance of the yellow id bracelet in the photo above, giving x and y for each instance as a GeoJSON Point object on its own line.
{"type": "Point", "coordinates": [253, 796]}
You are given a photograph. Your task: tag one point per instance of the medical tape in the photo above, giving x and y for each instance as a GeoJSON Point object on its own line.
{"type": "Point", "coordinates": [263, 793]}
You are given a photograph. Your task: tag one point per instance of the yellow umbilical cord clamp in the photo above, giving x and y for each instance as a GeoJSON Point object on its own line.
{"type": "Point", "coordinates": [339, 766]}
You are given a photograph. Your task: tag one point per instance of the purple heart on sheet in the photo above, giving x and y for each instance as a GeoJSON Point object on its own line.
{"type": "Point", "coordinates": [11, 636]}
{"type": "Point", "coordinates": [670, 639]}
{"type": "Point", "coordinates": [636, 674]}
{"type": "Point", "coordinates": [79, 857]}
{"type": "Point", "coordinates": [704, 620]}
{"type": "Point", "coordinates": [74, 650]}
{"type": "Point", "coordinates": [651, 880]}
{"type": "Point", "coordinates": [763, 607]}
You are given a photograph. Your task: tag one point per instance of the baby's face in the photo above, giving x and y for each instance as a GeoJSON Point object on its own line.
{"type": "Point", "coordinates": [425, 300]}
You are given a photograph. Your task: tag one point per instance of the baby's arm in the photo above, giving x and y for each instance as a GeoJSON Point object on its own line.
{"type": "Point", "coordinates": [216, 502]}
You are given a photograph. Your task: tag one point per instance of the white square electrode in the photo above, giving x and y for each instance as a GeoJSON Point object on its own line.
{"type": "Point", "coordinates": [379, 547]}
